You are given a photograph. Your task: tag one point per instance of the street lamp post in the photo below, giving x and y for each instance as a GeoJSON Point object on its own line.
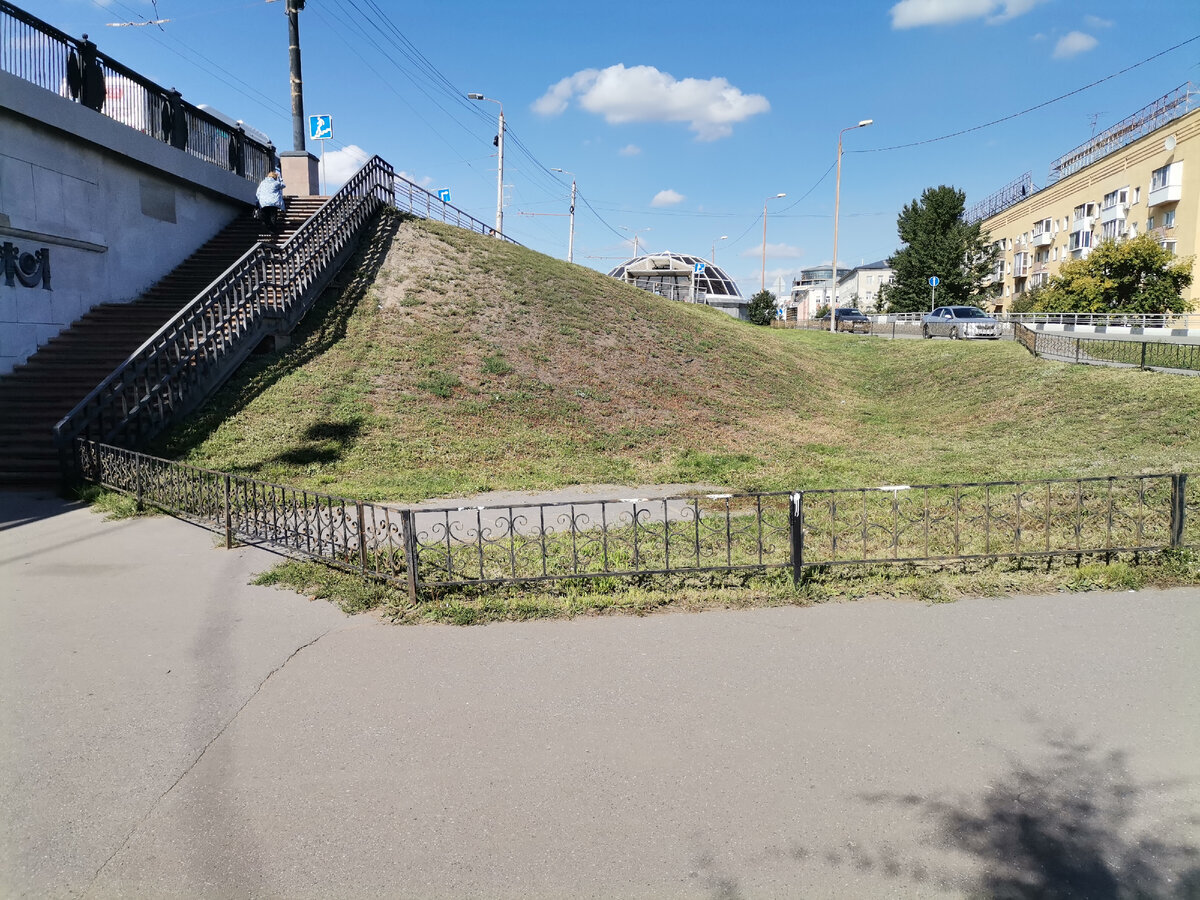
{"type": "Point", "coordinates": [764, 253]}
{"type": "Point", "coordinates": [571, 233]}
{"type": "Point", "coordinates": [837, 196]}
{"type": "Point", "coordinates": [723, 237]}
{"type": "Point", "coordinates": [293, 16]}
{"type": "Point", "coordinates": [635, 237]}
{"type": "Point", "coordinates": [499, 164]}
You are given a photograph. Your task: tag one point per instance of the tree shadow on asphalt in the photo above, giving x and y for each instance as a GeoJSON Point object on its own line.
{"type": "Point", "coordinates": [1075, 826]}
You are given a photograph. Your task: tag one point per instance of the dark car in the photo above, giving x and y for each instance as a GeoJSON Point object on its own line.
{"type": "Point", "coordinates": [850, 319]}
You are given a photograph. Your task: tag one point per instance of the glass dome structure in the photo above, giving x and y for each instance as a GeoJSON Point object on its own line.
{"type": "Point", "coordinates": [675, 276]}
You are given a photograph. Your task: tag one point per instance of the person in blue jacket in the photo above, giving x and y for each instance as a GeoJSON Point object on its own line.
{"type": "Point", "coordinates": [270, 200]}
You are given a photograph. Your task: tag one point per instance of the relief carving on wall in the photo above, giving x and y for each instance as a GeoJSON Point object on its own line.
{"type": "Point", "coordinates": [28, 268]}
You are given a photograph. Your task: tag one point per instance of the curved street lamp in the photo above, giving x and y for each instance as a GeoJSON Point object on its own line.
{"type": "Point", "coordinates": [764, 254]}
{"type": "Point", "coordinates": [499, 164]}
{"type": "Point", "coordinates": [571, 233]}
{"type": "Point", "coordinates": [723, 237]}
{"type": "Point", "coordinates": [837, 196]}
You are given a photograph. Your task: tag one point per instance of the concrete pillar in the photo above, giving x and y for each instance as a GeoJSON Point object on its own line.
{"type": "Point", "coordinates": [300, 174]}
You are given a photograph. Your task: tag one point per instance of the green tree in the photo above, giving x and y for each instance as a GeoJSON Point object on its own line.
{"type": "Point", "coordinates": [938, 242]}
{"type": "Point", "coordinates": [1133, 276]}
{"type": "Point", "coordinates": [762, 308]}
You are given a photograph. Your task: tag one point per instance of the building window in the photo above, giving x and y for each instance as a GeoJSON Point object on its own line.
{"type": "Point", "coordinates": [1080, 240]}
{"type": "Point", "coordinates": [1112, 198]}
{"type": "Point", "coordinates": [1160, 178]}
{"type": "Point", "coordinates": [1169, 219]}
{"type": "Point", "coordinates": [1150, 223]}
{"type": "Point", "coordinates": [1169, 246]}
{"type": "Point", "coordinates": [1137, 194]}
{"type": "Point", "coordinates": [1042, 227]}
{"type": "Point", "coordinates": [1112, 230]}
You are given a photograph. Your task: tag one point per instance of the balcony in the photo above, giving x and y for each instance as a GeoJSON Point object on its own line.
{"type": "Point", "coordinates": [1168, 193]}
{"type": "Point", "coordinates": [1114, 212]}
{"type": "Point", "coordinates": [1044, 239]}
{"type": "Point", "coordinates": [1166, 185]}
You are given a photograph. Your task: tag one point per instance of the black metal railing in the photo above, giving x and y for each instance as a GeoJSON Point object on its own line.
{"type": "Point", "coordinates": [425, 548]}
{"type": "Point", "coordinates": [76, 69]}
{"type": "Point", "coordinates": [265, 292]}
{"type": "Point", "coordinates": [1158, 355]}
{"type": "Point", "coordinates": [412, 198]}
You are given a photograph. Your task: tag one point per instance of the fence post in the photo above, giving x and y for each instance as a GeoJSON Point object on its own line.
{"type": "Point", "coordinates": [362, 539]}
{"type": "Point", "coordinates": [228, 518]}
{"type": "Point", "coordinates": [1076, 349]}
{"type": "Point", "coordinates": [408, 534]}
{"type": "Point", "coordinates": [138, 469]}
{"type": "Point", "coordinates": [1178, 508]}
{"type": "Point", "coordinates": [796, 533]}
{"type": "Point", "coordinates": [1143, 354]}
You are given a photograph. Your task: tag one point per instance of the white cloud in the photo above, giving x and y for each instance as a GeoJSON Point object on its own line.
{"type": "Point", "coordinates": [667, 198]}
{"type": "Point", "coordinates": [644, 94]}
{"type": "Point", "coordinates": [422, 181]}
{"type": "Point", "coordinates": [1073, 44]}
{"type": "Point", "coordinates": [775, 251]}
{"type": "Point", "coordinates": [915, 13]}
{"type": "Point", "coordinates": [340, 165]}
{"type": "Point", "coordinates": [1097, 22]}
{"type": "Point", "coordinates": [630, 150]}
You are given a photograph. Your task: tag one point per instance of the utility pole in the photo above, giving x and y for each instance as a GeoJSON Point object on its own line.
{"type": "Point", "coordinates": [571, 232]}
{"type": "Point", "coordinates": [293, 14]}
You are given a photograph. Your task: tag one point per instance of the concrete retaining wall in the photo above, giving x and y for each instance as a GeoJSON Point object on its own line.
{"type": "Point", "coordinates": [112, 209]}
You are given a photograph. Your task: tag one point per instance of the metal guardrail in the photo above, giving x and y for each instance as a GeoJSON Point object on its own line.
{"type": "Point", "coordinates": [412, 198]}
{"type": "Point", "coordinates": [1156, 355]}
{"type": "Point", "coordinates": [1106, 320]}
{"type": "Point", "coordinates": [796, 531]}
{"type": "Point", "coordinates": [264, 292]}
{"type": "Point", "coordinates": [41, 54]}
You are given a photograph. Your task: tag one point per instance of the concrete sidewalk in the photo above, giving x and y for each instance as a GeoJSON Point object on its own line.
{"type": "Point", "coordinates": [169, 730]}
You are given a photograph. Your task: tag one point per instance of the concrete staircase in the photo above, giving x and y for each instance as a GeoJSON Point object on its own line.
{"type": "Point", "coordinates": [35, 396]}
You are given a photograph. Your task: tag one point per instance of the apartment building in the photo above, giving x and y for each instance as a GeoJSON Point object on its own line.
{"type": "Point", "coordinates": [1140, 176]}
{"type": "Point", "coordinates": [860, 286]}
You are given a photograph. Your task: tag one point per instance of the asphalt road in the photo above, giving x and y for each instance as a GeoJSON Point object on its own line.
{"type": "Point", "coordinates": [168, 730]}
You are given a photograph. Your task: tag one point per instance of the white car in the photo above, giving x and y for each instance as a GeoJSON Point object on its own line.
{"type": "Point", "coordinates": [957, 322]}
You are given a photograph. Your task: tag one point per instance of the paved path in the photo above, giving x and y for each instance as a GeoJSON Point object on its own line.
{"type": "Point", "coordinates": [168, 730]}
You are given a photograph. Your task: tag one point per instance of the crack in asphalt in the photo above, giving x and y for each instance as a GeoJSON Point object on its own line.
{"type": "Point", "coordinates": [199, 756]}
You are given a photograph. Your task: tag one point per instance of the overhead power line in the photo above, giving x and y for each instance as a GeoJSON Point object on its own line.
{"type": "Point", "coordinates": [1024, 112]}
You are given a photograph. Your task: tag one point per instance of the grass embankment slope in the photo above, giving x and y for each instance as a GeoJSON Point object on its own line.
{"type": "Point", "coordinates": [445, 363]}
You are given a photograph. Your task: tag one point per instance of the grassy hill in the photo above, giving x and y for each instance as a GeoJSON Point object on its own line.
{"type": "Point", "coordinates": [446, 363]}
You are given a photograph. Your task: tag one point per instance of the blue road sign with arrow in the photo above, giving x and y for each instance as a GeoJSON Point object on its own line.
{"type": "Point", "coordinates": [934, 281]}
{"type": "Point", "coordinates": [444, 195]}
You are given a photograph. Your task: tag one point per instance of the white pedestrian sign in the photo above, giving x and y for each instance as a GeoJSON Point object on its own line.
{"type": "Point", "coordinates": [320, 128]}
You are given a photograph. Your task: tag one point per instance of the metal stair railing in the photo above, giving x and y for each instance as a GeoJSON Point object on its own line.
{"type": "Point", "coordinates": [265, 292]}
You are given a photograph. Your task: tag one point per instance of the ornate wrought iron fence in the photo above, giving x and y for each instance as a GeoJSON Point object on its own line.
{"type": "Point", "coordinates": [1159, 355]}
{"type": "Point", "coordinates": [264, 292]}
{"type": "Point", "coordinates": [420, 202]}
{"type": "Point", "coordinates": [426, 548]}
{"type": "Point", "coordinates": [39, 53]}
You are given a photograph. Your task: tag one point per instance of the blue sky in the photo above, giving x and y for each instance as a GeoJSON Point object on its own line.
{"type": "Point", "coordinates": [678, 119]}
